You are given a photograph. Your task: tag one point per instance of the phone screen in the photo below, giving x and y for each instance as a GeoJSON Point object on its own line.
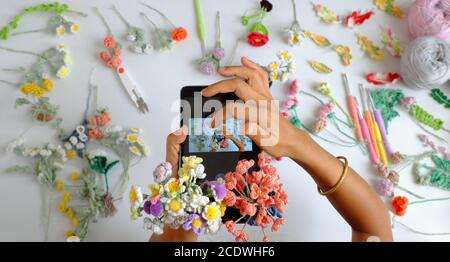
{"type": "Point", "coordinates": [225, 138]}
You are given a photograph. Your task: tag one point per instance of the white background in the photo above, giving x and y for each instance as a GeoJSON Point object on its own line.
{"type": "Point", "coordinates": [309, 216]}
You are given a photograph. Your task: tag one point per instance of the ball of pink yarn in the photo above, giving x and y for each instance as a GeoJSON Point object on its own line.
{"type": "Point", "coordinates": [430, 18]}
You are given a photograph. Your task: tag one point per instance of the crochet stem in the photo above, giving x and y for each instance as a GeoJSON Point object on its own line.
{"type": "Point", "coordinates": [119, 14]}
{"type": "Point", "coordinates": [161, 14]}
{"type": "Point", "coordinates": [28, 32]}
{"type": "Point", "coordinates": [97, 11]}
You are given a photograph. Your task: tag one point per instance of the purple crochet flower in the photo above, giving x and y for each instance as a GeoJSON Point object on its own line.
{"type": "Point", "coordinates": [220, 190]}
{"type": "Point", "coordinates": [207, 68]}
{"type": "Point", "coordinates": [162, 171]}
{"type": "Point", "coordinates": [218, 53]}
{"type": "Point", "coordinates": [407, 102]}
{"type": "Point", "coordinates": [153, 209]}
{"type": "Point", "coordinates": [193, 223]}
{"type": "Point", "coordinates": [385, 188]}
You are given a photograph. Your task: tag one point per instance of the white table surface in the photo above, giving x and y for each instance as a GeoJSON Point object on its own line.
{"type": "Point", "coordinates": [309, 216]}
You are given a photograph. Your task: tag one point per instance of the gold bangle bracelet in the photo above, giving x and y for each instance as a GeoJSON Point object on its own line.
{"type": "Point", "coordinates": [339, 182]}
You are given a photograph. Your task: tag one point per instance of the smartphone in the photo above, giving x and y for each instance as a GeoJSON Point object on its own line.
{"type": "Point", "coordinates": [220, 147]}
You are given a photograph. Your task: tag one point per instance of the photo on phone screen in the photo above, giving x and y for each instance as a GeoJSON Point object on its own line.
{"type": "Point", "coordinates": [225, 138]}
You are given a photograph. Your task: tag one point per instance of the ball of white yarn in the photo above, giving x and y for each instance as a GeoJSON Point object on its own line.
{"type": "Point", "coordinates": [425, 63]}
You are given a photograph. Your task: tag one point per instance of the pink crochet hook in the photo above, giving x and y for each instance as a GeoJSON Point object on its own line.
{"type": "Point", "coordinates": [353, 108]}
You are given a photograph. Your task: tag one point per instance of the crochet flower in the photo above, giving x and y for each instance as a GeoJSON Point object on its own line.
{"type": "Point", "coordinates": [207, 68]}
{"type": "Point", "coordinates": [175, 206]}
{"type": "Point", "coordinates": [280, 70]}
{"type": "Point", "coordinates": [162, 171]}
{"type": "Point", "coordinates": [179, 34]}
{"type": "Point", "coordinates": [257, 39]}
{"type": "Point", "coordinates": [266, 5]}
{"type": "Point", "coordinates": [153, 209]}
{"type": "Point", "coordinates": [211, 213]}
{"type": "Point", "coordinates": [174, 187]}
{"type": "Point", "coordinates": [109, 42]}
{"type": "Point", "coordinates": [294, 88]}
{"type": "Point", "coordinates": [62, 72]}
{"type": "Point", "coordinates": [60, 30]}
{"type": "Point", "coordinates": [219, 190]}
{"type": "Point", "coordinates": [136, 197]}
{"type": "Point", "coordinates": [218, 53]}
{"type": "Point", "coordinates": [399, 203]}
{"type": "Point", "coordinates": [196, 223]}
{"type": "Point", "coordinates": [385, 187]}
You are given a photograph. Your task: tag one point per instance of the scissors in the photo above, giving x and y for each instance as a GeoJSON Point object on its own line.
{"type": "Point", "coordinates": [133, 90]}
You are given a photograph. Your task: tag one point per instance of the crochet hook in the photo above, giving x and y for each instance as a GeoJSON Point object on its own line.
{"type": "Point", "coordinates": [368, 118]}
{"type": "Point", "coordinates": [353, 108]}
{"type": "Point", "coordinates": [366, 137]}
{"type": "Point", "coordinates": [380, 122]}
{"type": "Point", "coordinates": [201, 26]}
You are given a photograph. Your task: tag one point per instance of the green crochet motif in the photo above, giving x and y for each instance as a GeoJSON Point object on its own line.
{"type": "Point", "coordinates": [439, 174]}
{"type": "Point", "coordinates": [387, 100]}
{"type": "Point", "coordinates": [425, 118]}
{"type": "Point", "coordinates": [440, 97]}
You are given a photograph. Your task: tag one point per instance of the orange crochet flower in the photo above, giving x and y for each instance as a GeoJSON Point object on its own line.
{"type": "Point", "coordinates": [399, 203]}
{"type": "Point", "coordinates": [179, 34]}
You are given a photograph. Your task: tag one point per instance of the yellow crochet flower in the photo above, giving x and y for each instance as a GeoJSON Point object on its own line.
{"type": "Point", "coordinates": [47, 85]}
{"type": "Point", "coordinates": [155, 189]}
{"type": "Point", "coordinates": [69, 234]}
{"type": "Point", "coordinates": [71, 154]}
{"type": "Point", "coordinates": [63, 72]}
{"type": "Point", "coordinates": [69, 213]}
{"type": "Point", "coordinates": [74, 176]}
{"type": "Point", "coordinates": [62, 207]}
{"type": "Point", "coordinates": [66, 197]}
{"type": "Point", "coordinates": [273, 66]}
{"type": "Point", "coordinates": [60, 186]}
{"type": "Point", "coordinates": [135, 150]}
{"type": "Point", "coordinates": [60, 30]}
{"type": "Point", "coordinates": [38, 92]}
{"type": "Point", "coordinates": [211, 212]}
{"type": "Point", "coordinates": [190, 162]}
{"type": "Point", "coordinates": [274, 76]}
{"type": "Point", "coordinates": [75, 222]}
{"type": "Point", "coordinates": [75, 28]}
{"type": "Point", "coordinates": [29, 88]}
{"type": "Point", "coordinates": [132, 138]}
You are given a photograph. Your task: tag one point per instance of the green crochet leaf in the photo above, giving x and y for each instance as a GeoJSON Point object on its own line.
{"type": "Point", "coordinates": [387, 100]}
{"type": "Point", "coordinates": [111, 165]}
{"type": "Point", "coordinates": [440, 97]}
{"type": "Point", "coordinates": [441, 163]}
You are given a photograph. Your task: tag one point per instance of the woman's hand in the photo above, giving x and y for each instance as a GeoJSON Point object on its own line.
{"type": "Point", "coordinates": [174, 141]}
{"type": "Point", "coordinates": [263, 122]}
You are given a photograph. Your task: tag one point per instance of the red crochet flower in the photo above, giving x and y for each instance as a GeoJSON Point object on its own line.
{"type": "Point", "coordinates": [399, 203]}
{"type": "Point", "coordinates": [257, 39]}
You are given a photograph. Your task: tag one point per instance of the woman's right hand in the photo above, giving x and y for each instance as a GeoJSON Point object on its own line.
{"type": "Point", "coordinates": [263, 122]}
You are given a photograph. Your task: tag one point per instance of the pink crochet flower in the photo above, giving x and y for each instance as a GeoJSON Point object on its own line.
{"type": "Point", "coordinates": [104, 56]}
{"type": "Point", "coordinates": [96, 134]}
{"type": "Point", "coordinates": [162, 171]}
{"type": "Point", "coordinates": [109, 42]}
{"type": "Point", "coordinates": [407, 102]}
{"type": "Point", "coordinates": [288, 104]}
{"type": "Point", "coordinates": [294, 88]}
{"type": "Point", "coordinates": [385, 188]}
{"type": "Point", "coordinates": [326, 110]}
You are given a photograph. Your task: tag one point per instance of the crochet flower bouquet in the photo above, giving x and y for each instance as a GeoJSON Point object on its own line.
{"type": "Point", "coordinates": [193, 203]}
